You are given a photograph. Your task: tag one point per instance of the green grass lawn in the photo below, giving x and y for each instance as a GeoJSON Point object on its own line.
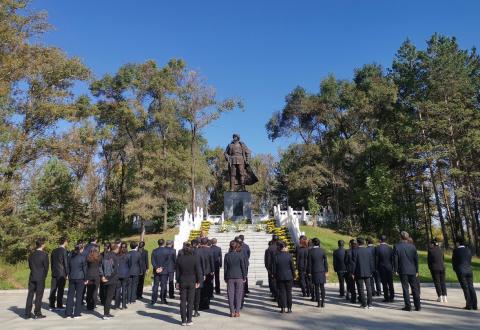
{"type": "Point", "coordinates": [16, 276]}
{"type": "Point", "coordinates": [329, 239]}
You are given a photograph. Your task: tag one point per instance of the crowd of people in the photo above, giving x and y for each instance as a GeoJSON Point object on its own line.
{"type": "Point", "coordinates": [115, 277]}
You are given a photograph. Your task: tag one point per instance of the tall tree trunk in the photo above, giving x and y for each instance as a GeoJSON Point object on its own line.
{"type": "Point", "coordinates": [439, 205]}
{"type": "Point", "coordinates": [451, 221]}
{"type": "Point", "coordinates": [426, 212]}
{"type": "Point", "coordinates": [192, 168]}
{"type": "Point", "coordinates": [165, 187]}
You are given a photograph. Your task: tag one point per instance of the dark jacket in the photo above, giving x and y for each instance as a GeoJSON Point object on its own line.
{"type": "Point", "coordinates": [405, 258]}
{"type": "Point", "coordinates": [462, 260]}
{"type": "Point", "coordinates": [372, 250]}
{"type": "Point", "coordinates": [109, 267]}
{"type": "Point", "coordinates": [435, 259]}
{"type": "Point", "coordinates": [134, 263]}
{"type": "Point", "coordinates": [78, 267]}
{"type": "Point", "coordinates": [283, 268]}
{"type": "Point", "coordinates": [172, 260]}
{"type": "Point", "coordinates": [160, 259]}
{"type": "Point", "coordinates": [207, 258]}
{"type": "Point", "coordinates": [339, 260]}
{"type": "Point", "coordinates": [93, 269]}
{"type": "Point", "coordinates": [217, 256]}
{"type": "Point", "coordinates": [201, 262]}
{"type": "Point", "coordinates": [362, 262]}
{"type": "Point", "coordinates": [59, 262]}
{"type": "Point", "coordinates": [302, 259]}
{"type": "Point", "coordinates": [234, 266]}
{"type": "Point", "coordinates": [384, 258]}
{"type": "Point", "coordinates": [144, 260]}
{"type": "Point", "coordinates": [38, 264]}
{"type": "Point", "coordinates": [246, 252]}
{"type": "Point", "coordinates": [123, 268]}
{"type": "Point", "coordinates": [349, 260]}
{"type": "Point", "coordinates": [187, 269]}
{"type": "Point", "coordinates": [270, 254]}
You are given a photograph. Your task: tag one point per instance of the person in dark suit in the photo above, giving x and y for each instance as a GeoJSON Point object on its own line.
{"type": "Point", "coordinates": [121, 292]}
{"type": "Point", "coordinates": [302, 265]}
{"type": "Point", "coordinates": [92, 243]}
{"type": "Point", "coordinates": [188, 277]}
{"type": "Point", "coordinates": [375, 279]}
{"type": "Point", "coordinates": [384, 263]}
{"type": "Point", "coordinates": [59, 265]}
{"type": "Point", "coordinates": [462, 265]}
{"type": "Point", "coordinates": [77, 278]}
{"type": "Point", "coordinates": [207, 289]}
{"type": "Point", "coordinates": [217, 262]}
{"type": "Point", "coordinates": [437, 269]}
{"type": "Point", "coordinates": [339, 266]}
{"type": "Point", "coordinates": [270, 254]}
{"type": "Point", "coordinates": [94, 260]}
{"type": "Point", "coordinates": [107, 247]}
{"type": "Point", "coordinates": [161, 257]}
{"type": "Point", "coordinates": [196, 300]}
{"type": "Point", "coordinates": [406, 266]}
{"type": "Point", "coordinates": [350, 277]}
{"type": "Point", "coordinates": [246, 252]}
{"type": "Point", "coordinates": [144, 269]}
{"type": "Point", "coordinates": [38, 264]}
{"type": "Point", "coordinates": [171, 269]}
{"type": "Point", "coordinates": [318, 270]}
{"type": "Point", "coordinates": [135, 268]}
{"type": "Point", "coordinates": [284, 272]}
{"type": "Point", "coordinates": [109, 277]}
{"type": "Point", "coordinates": [235, 275]}
{"type": "Point", "coordinates": [362, 263]}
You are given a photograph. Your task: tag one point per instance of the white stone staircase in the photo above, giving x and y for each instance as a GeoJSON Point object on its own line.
{"type": "Point", "coordinates": [258, 243]}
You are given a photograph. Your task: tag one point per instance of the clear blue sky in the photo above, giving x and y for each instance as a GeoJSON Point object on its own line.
{"type": "Point", "coordinates": [256, 50]}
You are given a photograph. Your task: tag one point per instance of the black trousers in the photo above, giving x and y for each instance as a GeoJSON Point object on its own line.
{"type": "Point", "coordinates": [341, 282]}
{"type": "Point", "coordinates": [75, 297]}
{"type": "Point", "coordinates": [35, 288]}
{"type": "Point", "coordinates": [161, 280]}
{"type": "Point", "coordinates": [92, 293]}
{"type": "Point", "coordinates": [285, 293]}
{"type": "Point", "coordinates": [56, 291]}
{"type": "Point", "coordinates": [102, 293]}
{"type": "Point", "coordinates": [206, 292]}
{"type": "Point", "coordinates": [438, 277]}
{"type": "Point", "coordinates": [387, 283]}
{"type": "Point", "coordinates": [121, 292]}
{"type": "Point", "coordinates": [351, 288]}
{"type": "Point", "coordinates": [132, 292]}
{"type": "Point", "coordinates": [141, 283]}
{"type": "Point", "coordinates": [466, 282]}
{"type": "Point", "coordinates": [375, 283]}
{"type": "Point", "coordinates": [171, 285]}
{"type": "Point", "coordinates": [361, 293]}
{"type": "Point", "coordinates": [196, 299]}
{"type": "Point", "coordinates": [109, 293]}
{"type": "Point", "coordinates": [304, 283]}
{"type": "Point", "coordinates": [319, 292]}
{"type": "Point", "coordinates": [272, 283]}
{"type": "Point", "coordinates": [187, 298]}
{"type": "Point", "coordinates": [414, 285]}
{"type": "Point", "coordinates": [217, 280]}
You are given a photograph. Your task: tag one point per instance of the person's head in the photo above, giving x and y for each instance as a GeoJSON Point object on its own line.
{"type": "Point", "coordinates": [209, 243]}
{"type": "Point", "coordinates": [204, 241]}
{"type": "Point", "coordinates": [315, 241]}
{"type": "Point", "coordinates": [115, 248]}
{"type": "Point", "coordinates": [281, 246]}
{"type": "Point", "coordinates": [383, 239]}
{"type": "Point", "coordinates": [141, 245]}
{"type": "Point", "coordinates": [404, 236]}
{"type": "Point", "coordinates": [241, 237]}
{"type": "Point", "coordinates": [123, 248]}
{"type": "Point", "coordinates": [63, 241]}
{"type": "Point", "coordinates": [369, 240]}
{"type": "Point", "coordinates": [93, 255]}
{"type": "Point", "coordinates": [161, 242]}
{"type": "Point", "coordinates": [169, 243]}
{"type": "Point", "coordinates": [118, 241]}
{"type": "Point", "coordinates": [236, 137]}
{"type": "Point", "coordinates": [107, 246]}
{"type": "Point", "coordinates": [233, 246]}
{"type": "Point", "coordinates": [203, 234]}
{"type": "Point", "coordinates": [80, 241]}
{"type": "Point", "coordinates": [460, 241]}
{"type": "Point", "coordinates": [341, 243]}
{"type": "Point", "coordinates": [434, 241]}
{"type": "Point", "coordinates": [274, 238]}
{"type": "Point", "coordinates": [187, 249]}
{"type": "Point", "coordinates": [40, 243]}
{"type": "Point", "coordinates": [214, 241]}
{"type": "Point", "coordinates": [78, 248]}
{"type": "Point", "coordinates": [92, 240]}
{"type": "Point", "coordinates": [303, 241]}
{"type": "Point", "coordinates": [133, 245]}
{"type": "Point", "coordinates": [195, 242]}
{"type": "Point", "coordinates": [360, 241]}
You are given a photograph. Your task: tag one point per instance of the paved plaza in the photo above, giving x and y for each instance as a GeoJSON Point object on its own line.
{"type": "Point", "coordinates": [259, 313]}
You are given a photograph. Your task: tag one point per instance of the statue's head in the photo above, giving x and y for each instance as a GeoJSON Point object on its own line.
{"type": "Point", "coordinates": [236, 137]}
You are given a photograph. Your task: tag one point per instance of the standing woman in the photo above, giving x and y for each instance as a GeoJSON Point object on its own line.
{"type": "Point", "coordinates": [109, 273]}
{"type": "Point", "coordinates": [318, 269]}
{"type": "Point", "coordinates": [437, 269]}
{"type": "Point", "coordinates": [76, 282]}
{"type": "Point", "coordinates": [106, 248]}
{"type": "Point", "coordinates": [284, 272]}
{"type": "Point", "coordinates": [121, 293]}
{"type": "Point", "coordinates": [235, 274]}
{"type": "Point", "coordinates": [302, 262]}
{"type": "Point", "coordinates": [188, 277]}
{"type": "Point", "coordinates": [94, 260]}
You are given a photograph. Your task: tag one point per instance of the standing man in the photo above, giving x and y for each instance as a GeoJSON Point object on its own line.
{"type": "Point", "coordinates": [217, 262]}
{"type": "Point", "coordinates": [198, 289]}
{"type": "Point", "coordinates": [205, 254]}
{"type": "Point", "coordinates": [350, 278]}
{"type": "Point", "coordinates": [302, 265]}
{"type": "Point", "coordinates": [284, 273]}
{"type": "Point", "coordinates": [160, 259]}
{"type": "Point", "coordinates": [144, 269]}
{"type": "Point", "coordinates": [246, 253]}
{"type": "Point", "coordinates": [135, 265]}
{"type": "Point", "coordinates": [318, 270]}
{"type": "Point", "coordinates": [362, 272]}
{"type": "Point", "coordinates": [59, 262]}
{"type": "Point", "coordinates": [375, 279]}
{"type": "Point", "coordinates": [270, 254]}
{"type": "Point", "coordinates": [406, 266]}
{"type": "Point", "coordinates": [38, 264]}
{"type": "Point", "coordinates": [462, 265]}
{"type": "Point", "coordinates": [171, 269]}
{"type": "Point", "coordinates": [384, 263]}
{"type": "Point", "coordinates": [339, 266]}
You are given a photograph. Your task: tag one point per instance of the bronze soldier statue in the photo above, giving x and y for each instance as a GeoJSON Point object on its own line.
{"type": "Point", "coordinates": [237, 155]}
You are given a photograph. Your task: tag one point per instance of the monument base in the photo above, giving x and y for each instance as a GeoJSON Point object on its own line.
{"type": "Point", "coordinates": [237, 205]}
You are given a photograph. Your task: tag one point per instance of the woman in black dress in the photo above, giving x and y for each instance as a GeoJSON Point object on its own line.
{"type": "Point", "coordinates": [437, 269]}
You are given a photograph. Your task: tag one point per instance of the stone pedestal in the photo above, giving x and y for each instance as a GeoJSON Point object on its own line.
{"type": "Point", "coordinates": [237, 205]}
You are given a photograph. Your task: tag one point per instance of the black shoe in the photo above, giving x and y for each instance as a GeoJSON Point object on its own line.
{"type": "Point", "coordinates": [312, 299]}
{"type": "Point", "coordinates": [172, 297]}
{"type": "Point", "coordinates": [282, 310]}
{"type": "Point", "coordinates": [39, 316]}
{"type": "Point", "coordinates": [407, 309]}
{"type": "Point", "coordinates": [468, 308]}
{"type": "Point", "coordinates": [196, 314]}
{"type": "Point", "coordinates": [418, 309]}
{"type": "Point", "coordinates": [289, 310]}
{"type": "Point", "coordinates": [165, 302]}
{"type": "Point", "coordinates": [29, 316]}
{"type": "Point", "coordinates": [386, 300]}
{"type": "Point", "coordinates": [322, 304]}
{"type": "Point", "coordinates": [318, 304]}
{"type": "Point", "coordinates": [152, 303]}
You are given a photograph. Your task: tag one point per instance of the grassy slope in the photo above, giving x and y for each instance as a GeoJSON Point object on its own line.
{"type": "Point", "coordinates": [16, 276]}
{"type": "Point", "coordinates": [329, 239]}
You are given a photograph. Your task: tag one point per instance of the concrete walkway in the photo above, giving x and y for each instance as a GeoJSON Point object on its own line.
{"type": "Point", "coordinates": [259, 313]}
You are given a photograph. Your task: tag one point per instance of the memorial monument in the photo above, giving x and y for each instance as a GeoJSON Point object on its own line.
{"type": "Point", "coordinates": [237, 202]}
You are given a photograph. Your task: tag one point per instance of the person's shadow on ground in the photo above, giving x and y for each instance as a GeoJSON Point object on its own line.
{"type": "Point", "coordinates": [162, 317]}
